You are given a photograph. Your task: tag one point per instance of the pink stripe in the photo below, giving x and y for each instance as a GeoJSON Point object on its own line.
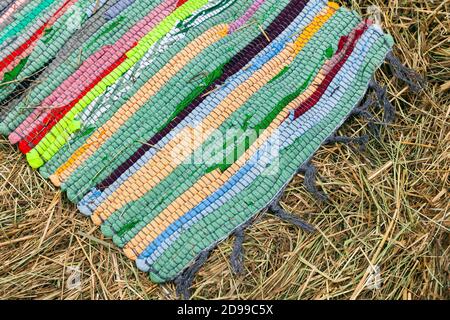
{"type": "Point", "coordinates": [30, 49]}
{"type": "Point", "coordinates": [17, 60]}
{"type": "Point", "coordinates": [11, 10]}
{"type": "Point", "coordinates": [94, 66]}
{"type": "Point", "coordinates": [247, 15]}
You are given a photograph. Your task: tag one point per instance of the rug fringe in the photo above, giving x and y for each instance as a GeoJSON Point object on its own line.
{"type": "Point", "coordinates": [310, 172]}
{"type": "Point", "coordinates": [237, 255]}
{"type": "Point", "coordinates": [360, 141]}
{"type": "Point", "coordinates": [278, 211]}
{"type": "Point", "coordinates": [383, 100]}
{"type": "Point", "coordinates": [363, 111]}
{"type": "Point", "coordinates": [415, 81]}
{"type": "Point", "coordinates": [184, 281]}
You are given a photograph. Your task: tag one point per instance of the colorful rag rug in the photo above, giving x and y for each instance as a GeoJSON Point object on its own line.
{"type": "Point", "coordinates": [172, 123]}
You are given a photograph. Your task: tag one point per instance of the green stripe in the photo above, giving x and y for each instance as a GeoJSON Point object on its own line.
{"type": "Point", "coordinates": [158, 108]}
{"type": "Point", "coordinates": [17, 28]}
{"type": "Point", "coordinates": [207, 81]}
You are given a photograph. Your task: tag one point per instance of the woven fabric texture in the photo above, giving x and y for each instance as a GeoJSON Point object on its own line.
{"type": "Point", "coordinates": [172, 123]}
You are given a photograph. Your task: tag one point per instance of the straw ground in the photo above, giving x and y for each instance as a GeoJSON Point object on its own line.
{"type": "Point", "coordinates": [388, 208]}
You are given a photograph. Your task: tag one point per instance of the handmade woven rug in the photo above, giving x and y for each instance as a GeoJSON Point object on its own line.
{"type": "Point", "coordinates": [173, 123]}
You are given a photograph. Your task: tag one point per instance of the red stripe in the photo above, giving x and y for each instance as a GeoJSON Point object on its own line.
{"type": "Point", "coordinates": [317, 95]}
{"type": "Point", "coordinates": [181, 2]}
{"type": "Point", "coordinates": [60, 9]}
{"type": "Point", "coordinates": [36, 35]}
{"type": "Point", "coordinates": [56, 114]}
{"type": "Point", "coordinates": [19, 51]}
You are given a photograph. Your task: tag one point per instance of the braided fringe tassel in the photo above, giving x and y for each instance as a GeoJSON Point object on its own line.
{"type": "Point", "coordinates": [415, 82]}
{"type": "Point", "coordinates": [360, 141]}
{"type": "Point", "coordinates": [363, 111]}
{"type": "Point", "coordinates": [310, 172]}
{"type": "Point", "coordinates": [276, 209]}
{"type": "Point", "coordinates": [185, 279]}
{"type": "Point", "coordinates": [237, 255]}
{"type": "Point", "coordinates": [383, 100]}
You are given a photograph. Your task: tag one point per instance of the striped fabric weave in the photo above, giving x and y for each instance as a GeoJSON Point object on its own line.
{"type": "Point", "coordinates": [172, 123]}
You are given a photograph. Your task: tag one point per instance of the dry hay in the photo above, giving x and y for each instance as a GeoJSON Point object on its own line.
{"type": "Point", "coordinates": [388, 208]}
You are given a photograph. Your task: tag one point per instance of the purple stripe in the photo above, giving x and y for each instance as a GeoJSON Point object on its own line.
{"type": "Point", "coordinates": [243, 20]}
{"type": "Point", "coordinates": [117, 9]}
{"type": "Point", "coordinates": [240, 60]}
